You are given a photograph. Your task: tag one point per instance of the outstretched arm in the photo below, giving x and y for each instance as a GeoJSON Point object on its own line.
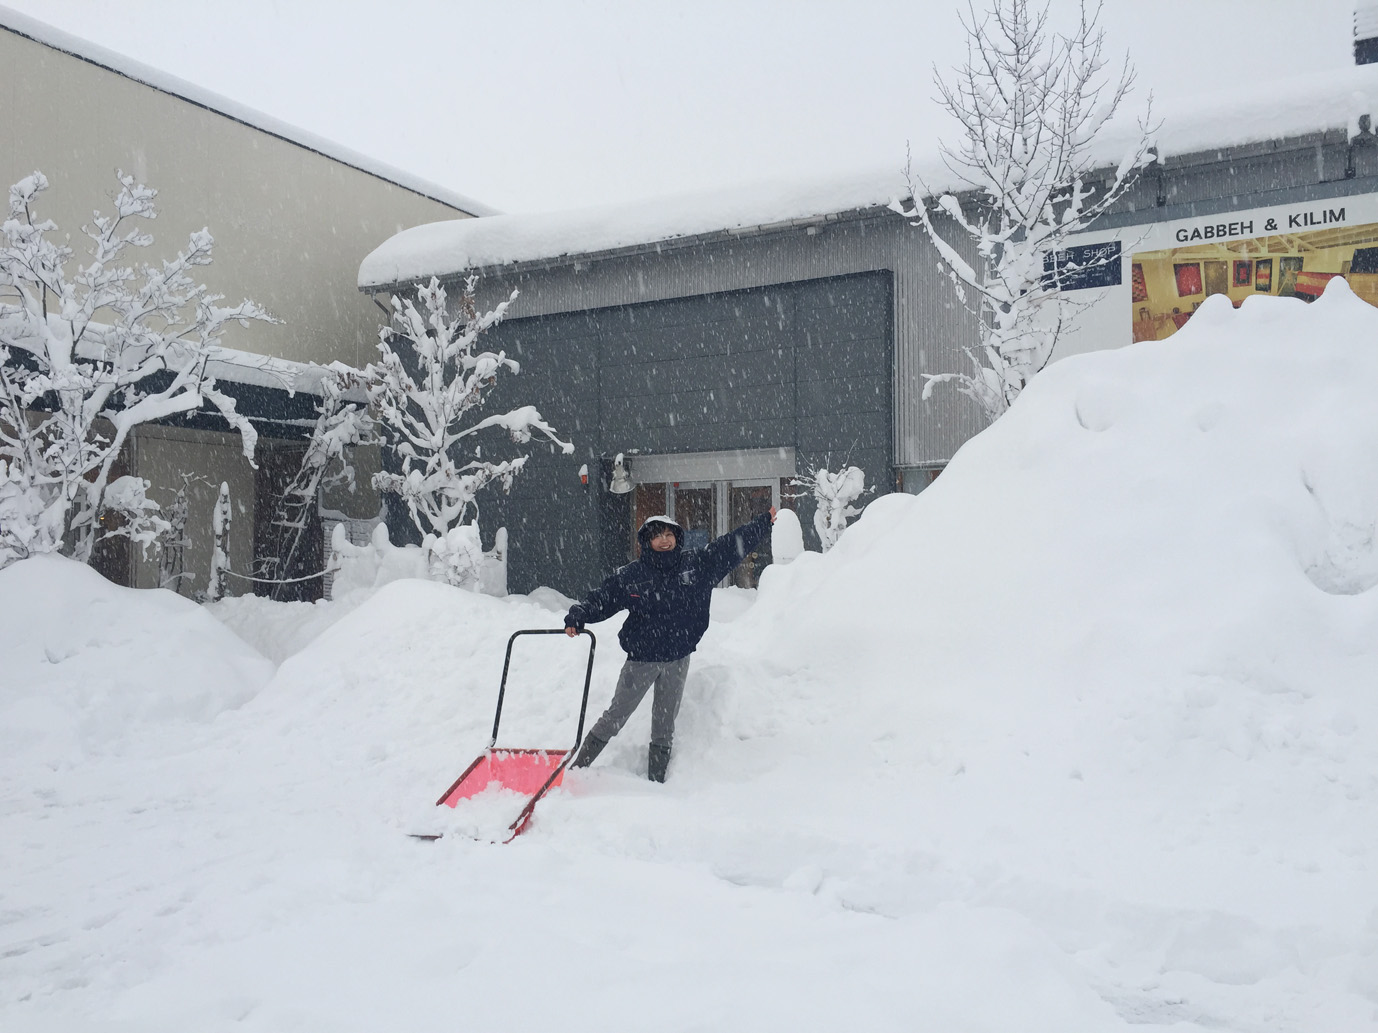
{"type": "Point", "coordinates": [600, 604]}
{"type": "Point", "coordinates": [723, 554]}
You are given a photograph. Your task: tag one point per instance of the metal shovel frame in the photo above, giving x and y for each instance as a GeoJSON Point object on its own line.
{"type": "Point", "coordinates": [524, 818]}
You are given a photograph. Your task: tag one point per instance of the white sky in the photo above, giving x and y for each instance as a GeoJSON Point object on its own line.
{"type": "Point", "coordinates": [531, 105]}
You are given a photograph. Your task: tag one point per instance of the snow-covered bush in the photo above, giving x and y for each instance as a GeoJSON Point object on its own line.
{"type": "Point", "coordinates": [87, 353]}
{"type": "Point", "coordinates": [139, 521]}
{"type": "Point", "coordinates": [833, 494]}
{"type": "Point", "coordinates": [1030, 103]}
{"type": "Point", "coordinates": [455, 556]}
{"type": "Point", "coordinates": [431, 372]}
{"type": "Point", "coordinates": [380, 562]}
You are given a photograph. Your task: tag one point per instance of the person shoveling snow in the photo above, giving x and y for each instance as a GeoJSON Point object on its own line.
{"type": "Point", "coordinates": [666, 592]}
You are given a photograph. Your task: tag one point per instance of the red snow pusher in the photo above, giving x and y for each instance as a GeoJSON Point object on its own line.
{"type": "Point", "coordinates": [531, 772]}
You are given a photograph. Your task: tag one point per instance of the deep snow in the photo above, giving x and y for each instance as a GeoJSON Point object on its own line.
{"type": "Point", "coordinates": [1083, 738]}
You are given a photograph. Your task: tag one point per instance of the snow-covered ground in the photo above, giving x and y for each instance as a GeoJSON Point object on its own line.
{"type": "Point", "coordinates": [1084, 738]}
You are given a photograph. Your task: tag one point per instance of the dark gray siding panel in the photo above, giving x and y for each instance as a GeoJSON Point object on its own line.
{"type": "Point", "coordinates": [844, 395]}
{"type": "Point", "coordinates": [926, 324]}
{"type": "Point", "coordinates": [804, 365]}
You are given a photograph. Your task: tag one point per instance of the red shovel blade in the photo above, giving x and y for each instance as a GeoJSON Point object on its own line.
{"type": "Point", "coordinates": [523, 771]}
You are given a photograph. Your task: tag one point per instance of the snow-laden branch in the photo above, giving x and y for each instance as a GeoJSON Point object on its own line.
{"type": "Point", "coordinates": [88, 353]}
{"type": "Point", "coordinates": [1030, 103]}
{"type": "Point", "coordinates": [341, 426]}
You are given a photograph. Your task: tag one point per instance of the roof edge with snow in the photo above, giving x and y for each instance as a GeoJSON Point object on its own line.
{"type": "Point", "coordinates": [511, 242]}
{"type": "Point", "coordinates": [1315, 107]}
{"type": "Point", "coordinates": [164, 82]}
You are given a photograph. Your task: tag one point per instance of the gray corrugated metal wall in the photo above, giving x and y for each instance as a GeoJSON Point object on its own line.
{"type": "Point", "coordinates": [929, 322]}
{"type": "Point", "coordinates": [1256, 175]}
{"type": "Point", "coordinates": [805, 365]}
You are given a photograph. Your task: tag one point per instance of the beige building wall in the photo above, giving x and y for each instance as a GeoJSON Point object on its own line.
{"type": "Point", "coordinates": [161, 455]}
{"type": "Point", "coordinates": [290, 225]}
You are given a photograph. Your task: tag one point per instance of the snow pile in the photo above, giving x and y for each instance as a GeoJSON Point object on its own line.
{"type": "Point", "coordinates": [786, 537]}
{"type": "Point", "coordinates": [1123, 652]}
{"type": "Point", "coordinates": [1081, 739]}
{"type": "Point", "coordinates": [364, 567]}
{"type": "Point", "coordinates": [87, 666]}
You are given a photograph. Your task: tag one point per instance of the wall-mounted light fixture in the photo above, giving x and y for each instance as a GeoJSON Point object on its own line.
{"type": "Point", "coordinates": [621, 482]}
{"type": "Point", "coordinates": [584, 476]}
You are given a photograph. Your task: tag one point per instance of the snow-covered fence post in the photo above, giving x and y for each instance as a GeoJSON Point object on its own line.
{"type": "Point", "coordinates": [833, 494]}
{"type": "Point", "coordinates": [173, 542]}
{"type": "Point", "coordinates": [420, 404]}
{"type": "Point", "coordinates": [493, 575]}
{"type": "Point", "coordinates": [86, 356]}
{"type": "Point", "coordinates": [220, 555]}
{"type": "Point", "coordinates": [1030, 103]}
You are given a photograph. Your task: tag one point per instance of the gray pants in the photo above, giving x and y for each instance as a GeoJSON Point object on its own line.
{"type": "Point", "coordinates": [632, 684]}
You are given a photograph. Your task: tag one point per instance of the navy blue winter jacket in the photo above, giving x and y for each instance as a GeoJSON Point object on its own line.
{"type": "Point", "coordinates": [667, 594]}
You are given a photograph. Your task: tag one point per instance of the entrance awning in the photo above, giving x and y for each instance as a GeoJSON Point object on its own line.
{"type": "Point", "coordinates": [735, 465]}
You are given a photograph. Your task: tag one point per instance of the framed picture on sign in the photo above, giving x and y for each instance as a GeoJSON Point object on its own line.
{"type": "Point", "coordinates": [1243, 274]}
{"type": "Point", "coordinates": [1188, 278]}
{"type": "Point", "coordinates": [1289, 269]}
{"type": "Point", "coordinates": [1263, 274]}
{"type": "Point", "coordinates": [1140, 291]}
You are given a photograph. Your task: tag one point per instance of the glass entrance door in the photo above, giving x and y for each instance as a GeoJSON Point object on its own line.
{"type": "Point", "coordinates": [695, 508]}
{"type": "Point", "coordinates": [745, 503]}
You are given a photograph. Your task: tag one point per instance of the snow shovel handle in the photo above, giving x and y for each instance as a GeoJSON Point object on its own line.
{"type": "Point", "coordinates": [588, 678]}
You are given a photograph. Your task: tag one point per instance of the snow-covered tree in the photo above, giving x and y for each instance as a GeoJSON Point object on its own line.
{"type": "Point", "coordinates": [1030, 102]}
{"type": "Point", "coordinates": [172, 543]}
{"type": "Point", "coordinates": [341, 426]}
{"type": "Point", "coordinates": [833, 495]}
{"type": "Point", "coordinates": [221, 518]}
{"type": "Point", "coordinates": [430, 374]}
{"type": "Point", "coordinates": [87, 353]}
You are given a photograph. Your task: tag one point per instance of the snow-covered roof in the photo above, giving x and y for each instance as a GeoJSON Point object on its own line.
{"type": "Point", "coordinates": [85, 50]}
{"type": "Point", "coordinates": [1291, 108]}
{"type": "Point", "coordinates": [243, 367]}
{"type": "Point", "coordinates": [441, 248]}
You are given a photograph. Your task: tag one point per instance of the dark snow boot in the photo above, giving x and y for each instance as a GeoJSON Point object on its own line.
{"type": "Point", "coordinates": [591, 748]}
{"type": "Point", "coordinates": [658, 763]}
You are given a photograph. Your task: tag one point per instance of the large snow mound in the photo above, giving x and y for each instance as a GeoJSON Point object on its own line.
{"type": "Point", "coordinates": [1083, 738]}
{"type": "Point", "coordinates": [86, 665]}
{"type": "Point", "coordinates": [1126, 646]}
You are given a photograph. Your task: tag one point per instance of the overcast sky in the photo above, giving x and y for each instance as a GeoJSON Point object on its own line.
{"type": "Point", "coordinates": [530, 105]}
